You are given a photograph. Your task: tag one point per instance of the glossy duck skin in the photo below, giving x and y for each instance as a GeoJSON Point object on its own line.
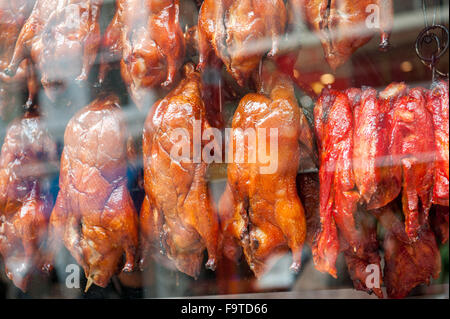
{"type": "Point", "coordinates": [61, 37]}
{"type": "Point", "coordinates": [253, 216]}
{"type": "Point", "coordinates": [342, 25]}
{"type": "Point", "coordinates": [407, 264]}
{"type": "Point", "coordinates": [25, 207]}
{"type": "Point", "coordinates": [239, 33]}
{"type": "Point", "coordinates": [178, 216]}
{"type": "Point", "coordinates": [372, 162]}
{"type": "Point", "coordinates": [145, 35]}
{"type": "Point", "coordinates": [94, 214]}
{"type": "Point", "coordinates": [437, 105]}
{"type": "Point", "coordinates": [413, 149]}
{"type": "Point", "coordinates": [338, 198]}
{"type": "Point", "coordinates": [13, 15]}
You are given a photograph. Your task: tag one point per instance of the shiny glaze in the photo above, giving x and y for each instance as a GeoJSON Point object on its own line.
{"type": "Point", "coordinates": [13, 15]}
{"type": "Point", "coordinates": [27, 151]}
{"type": "Point", "coordinates": [339, 197]}
{"type": "Point", "coordinates": [413, 149]}
{"type": "Point", "coordinates": [145, 35]}
{"type": "Point", "coordinates": [62, 38]}
{"type": "Point", "coordinates": [438, 106]}
{"type": "Point", "coordinates": [372, 162]}
{"type": "Point", "coordinates": [334, 132]}
{"type": "Point", "coordinates": [262, 213]}
{"type": "Point", "coordinates": [239, 33]}
{"type": "Point", "coordinates": [178, 216]}
{"type": "Point", "coordinates": [335, 24]}
{"type": "Point", "coordinates": [94, 214]}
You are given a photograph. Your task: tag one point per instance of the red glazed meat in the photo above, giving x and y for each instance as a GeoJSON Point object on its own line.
{"type": "Point", "coordinates": [437, 105]}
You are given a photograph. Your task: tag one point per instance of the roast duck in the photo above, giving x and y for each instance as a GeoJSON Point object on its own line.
{"type": "Point", "coordinates": [343, 26]}
{"type": "Point", "coordinates": [146, 37]}
{"type": "Point", "coordinates": [255, 218]}
{"type": "Point", "coordinates": [178, 216]}
{"type": "Point", "coordinates": [382, 156]}
{"type": "Point", "coordinates": [61, 38]}
{"type": "Point", "coordinates": [13, 15]}
{"type": "Point", "coordinates": [238, 33]}
{"type": "Point", "coordinates": [27, 157]}
{"type": "Point", "coordinates": [94, 215]}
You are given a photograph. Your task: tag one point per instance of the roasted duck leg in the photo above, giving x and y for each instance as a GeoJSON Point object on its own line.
{"type": "Point", "coordinates": [238, 33]}
{"type": "Point", "coordinates": [61, 37]}
{"type": "Point", "coordinates": [13, 15]}
{"type": "Point", "coordinates": [94, 214]}
{"type": "Point", "coordinates": [145, 35]}
{"type": "Point", "coordinates": [437, 105]}
{"type": "Point", "coordinates": [254, 216]}
{"type": "Point", "coordinates": [407, 264]}
{"type": "Point", "coordinates": [25, 204]}
{"type": "Point", "coordinates": [343, 26]}
{"type": "Point", "coordinates": [178, 216]}
{"type": "Point", "coordinates": [413, 149]}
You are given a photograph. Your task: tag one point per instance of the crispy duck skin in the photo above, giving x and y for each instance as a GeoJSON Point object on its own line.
{"type": "Point", "coordinates": [413, 149]}
{"type": "Point", "coordinates": [372, 162]}
{"type": "Point", "coordinates": [61, 37]}
{"type": "Point", "coordinates": [407, 263]}
{"type": "Point", "coordinates": [438, 106]}
{"type": "Point", "coordinates": [94, 214]}
{"type": "Point", "coordinates": [253, 216]}
{"type": "Point", "coordinates": [178, 216]}
{"type": "Point", "coordinates": [342, 226]}
{"type": "Point", "coordinates": [24, 205]}
{"type": "Point", "coordinates": [13, 15]}
{"type": "Point", "coordinates": [145, 35]}
{"type": "Point", "coordinates": [342, 25]}
{"type": "Point", "coordinates": [338, 198]}
{"type": "Point", "coordinates": [235, 33]}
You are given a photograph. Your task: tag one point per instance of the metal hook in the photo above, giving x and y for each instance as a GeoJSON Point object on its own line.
{"type": "Point", "coordinates": [426, 37]}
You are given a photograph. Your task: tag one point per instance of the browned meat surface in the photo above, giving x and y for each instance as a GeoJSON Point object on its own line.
{"type": "Point", "coordinates": [94, 214]}
{"type": "Point", "coordinates": [13, 15]}
{"type": "Point", "coordinates": [407, 263]}
{"type": "Point", "coordinates": [260, 209]}
{"type": "Point", "coordinates": [25, 205]}
{"type": "Point", "coordinates": [61, 37]}
{"type": "Point", "coordinates": [178, 216]}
